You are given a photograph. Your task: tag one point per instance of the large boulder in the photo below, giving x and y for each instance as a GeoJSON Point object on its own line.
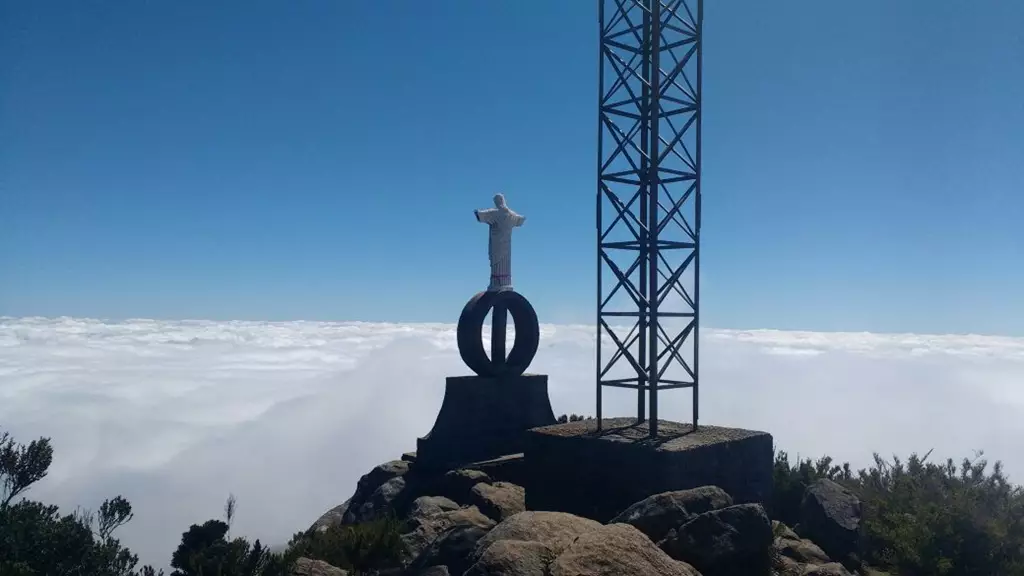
{"type": "Point", "coordinates": [385, 498]}
{"type": "Point", "coordinates": [731, 541]}
{"type": "Point", "coordinates": [367, 486]}
{"type": "Point", "coordinates": [426, 506]}
{"type": "Point", "coordinates": [790, 567]}
{"type": "Point", "coordinates": [448, 519]}
{"type": "Point", "coordinates": [513, 558]}
{"type": "Point", "coordinates": [830, 516]}
{"type": "Point", "coordinates": [617, 550]}
{"type": "Point", "coordinates": [801, 550]}
{"type": "Point", "coordinates": [332, 517]}
{"type": "Point", "coordinates": [784, 566]}
{"type": "Point", "coordinates": [499, 500]}
{"type": "Point", "coordinates": [380, 474]}
{"type": "Point", "coordinates": [830, 569]}
{"type": "Point", "coordinates": [782, 531]}
{"type": "Point", "coordinates": [458, 484]}
{"type": "Point", "coordinates": [557, 530]}
{"type": "Point", "coordinates": [657, 514]}
{"type": "Point", "coordinates": [454, 549]}
{"type": "Point", "coordinates": [309, 567]}
{"type": "Point", "coordinates": [427, 529]}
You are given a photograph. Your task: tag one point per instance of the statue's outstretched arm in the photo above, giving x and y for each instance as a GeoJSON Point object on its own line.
{"type": "Point", "coordinates": [485, 216]}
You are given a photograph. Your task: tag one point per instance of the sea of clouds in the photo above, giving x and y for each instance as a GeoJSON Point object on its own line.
{"type": "Point", "coordinates": [175, 415]}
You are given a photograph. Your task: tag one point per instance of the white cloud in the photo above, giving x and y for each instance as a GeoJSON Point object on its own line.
{"type": "Point", "coordinates": [287, 416]}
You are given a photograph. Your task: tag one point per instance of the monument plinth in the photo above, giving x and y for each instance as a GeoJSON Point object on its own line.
{"type": "Point", "coordinates": [486, 416]}
{"type": "Point", "coordinates": [577, 468]}
{"type": "Point", "coordinates": [483, 418]}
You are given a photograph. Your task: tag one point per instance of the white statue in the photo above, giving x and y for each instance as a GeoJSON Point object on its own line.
{"type": "Point", "coordinates": [499, 246]}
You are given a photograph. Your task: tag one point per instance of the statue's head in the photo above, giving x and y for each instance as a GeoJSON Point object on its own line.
{"type": "Point", "coordinates": [499, 200]}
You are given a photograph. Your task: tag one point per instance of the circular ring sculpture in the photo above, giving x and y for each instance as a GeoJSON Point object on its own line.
{"type": "Point", "coordinates": [470, 334]}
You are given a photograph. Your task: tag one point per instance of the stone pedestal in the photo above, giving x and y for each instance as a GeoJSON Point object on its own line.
{"type": "Point", "coordinates": [574, 468]}
{"type": "Point", "coordinates": [483, 418]}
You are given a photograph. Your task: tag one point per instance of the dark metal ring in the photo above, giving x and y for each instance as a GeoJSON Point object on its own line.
{"type": "Point", "coordinates": [471, 340]}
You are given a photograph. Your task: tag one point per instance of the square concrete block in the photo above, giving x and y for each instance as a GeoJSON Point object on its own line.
{"type": "Point", "coordinates": [484, 418]}
{"type": "Point", "coordinates": [575, 468]}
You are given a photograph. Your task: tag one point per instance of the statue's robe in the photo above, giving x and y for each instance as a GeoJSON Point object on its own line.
{"type": "Point", "coordinates": [499, 244]}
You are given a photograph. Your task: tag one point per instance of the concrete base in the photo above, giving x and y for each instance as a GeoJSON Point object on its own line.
{"type": "Point", "coordinates": [575, 468]}
{"type": "Point", "coordinates": [484, 418]}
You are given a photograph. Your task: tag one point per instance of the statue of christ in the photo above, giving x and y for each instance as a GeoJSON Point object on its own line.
{"type": "Point", "coordinates": [501, 221]}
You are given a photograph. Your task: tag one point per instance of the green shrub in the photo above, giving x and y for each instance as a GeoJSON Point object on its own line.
{"type": "Point", "coordinates": [36, 540]}
{"type": "Point", "coordinates": [205, 551]}
{"type": "Point", "coordinates": [573, 418]}
{"type": "Point", "coordinates": [922, 519]}
{"type": "Point", "coordinates": [361, 547]}
{"type": "Point", "coordinates": [790, 481]}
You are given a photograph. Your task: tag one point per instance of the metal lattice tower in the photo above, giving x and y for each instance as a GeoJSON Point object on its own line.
{"type": "Point", "coordinates": [648, 199]}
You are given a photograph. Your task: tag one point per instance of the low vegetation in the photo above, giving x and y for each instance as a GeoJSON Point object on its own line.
{"type": "Point", "coordinates": [361, 548]}
{"type": "Point", "coordinates": [37, 540]}
{"type": "Point", "coordinates": [572, 418]}
{"type": "Point", "coordinates": [920, 519]}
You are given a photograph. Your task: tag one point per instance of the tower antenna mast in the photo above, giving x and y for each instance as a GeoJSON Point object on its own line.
{"type": "Point", "coordinates": [648, 200]}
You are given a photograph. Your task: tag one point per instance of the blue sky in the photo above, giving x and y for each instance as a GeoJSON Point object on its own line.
{"type": "Point", "coordinates": [863, 163]}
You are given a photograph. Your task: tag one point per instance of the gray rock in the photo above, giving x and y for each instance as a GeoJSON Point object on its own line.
{"type": "Point", "coordinates": [469, 516]}
{"type": "Point", "coordinates": [332, 517]}
{"type": "Point", "coordinates": [425, 506]}
{"type": "Point", "coordinates": [369, 483]}
{"type": "Point", "coordinates": [386, 498]}
{"type": "Point", "coordinates": [381, 473]}
{"type": "Point", "coordinates": [731, 541]}
{"type": "Point", "coordinates": [430, 528]}
{"type": "Point", "coordinates": [617, 550]}
{"type": "Point", "coordinates": [785, 566]}
{"type": "Point", "coordinates": [782, 531]}
{"type": "Point", "coordinates": [657, 514]}
{"type": "Point", "coordinates": [830, 516]}
{"type": "Point", "coordinates": [499, 500]}
{"type": "Point", "coordinates": [557, 530]}
{"type": "Point", "coordinates": [830, 569]}
{"type": "Point", "coordinates": [457, 484]}
{"type": "Point", "coordinates": [454, 549]}
{"type": "Point", "coordinates": [513, 558]}
{"type": "Point", "coordinates": [802, 550]}
{"type": "Point", "coordinates": [308, 567]}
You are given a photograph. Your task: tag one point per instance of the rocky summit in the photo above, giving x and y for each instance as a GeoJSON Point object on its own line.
{"type": "Point", "coordinates": [468, 522]}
